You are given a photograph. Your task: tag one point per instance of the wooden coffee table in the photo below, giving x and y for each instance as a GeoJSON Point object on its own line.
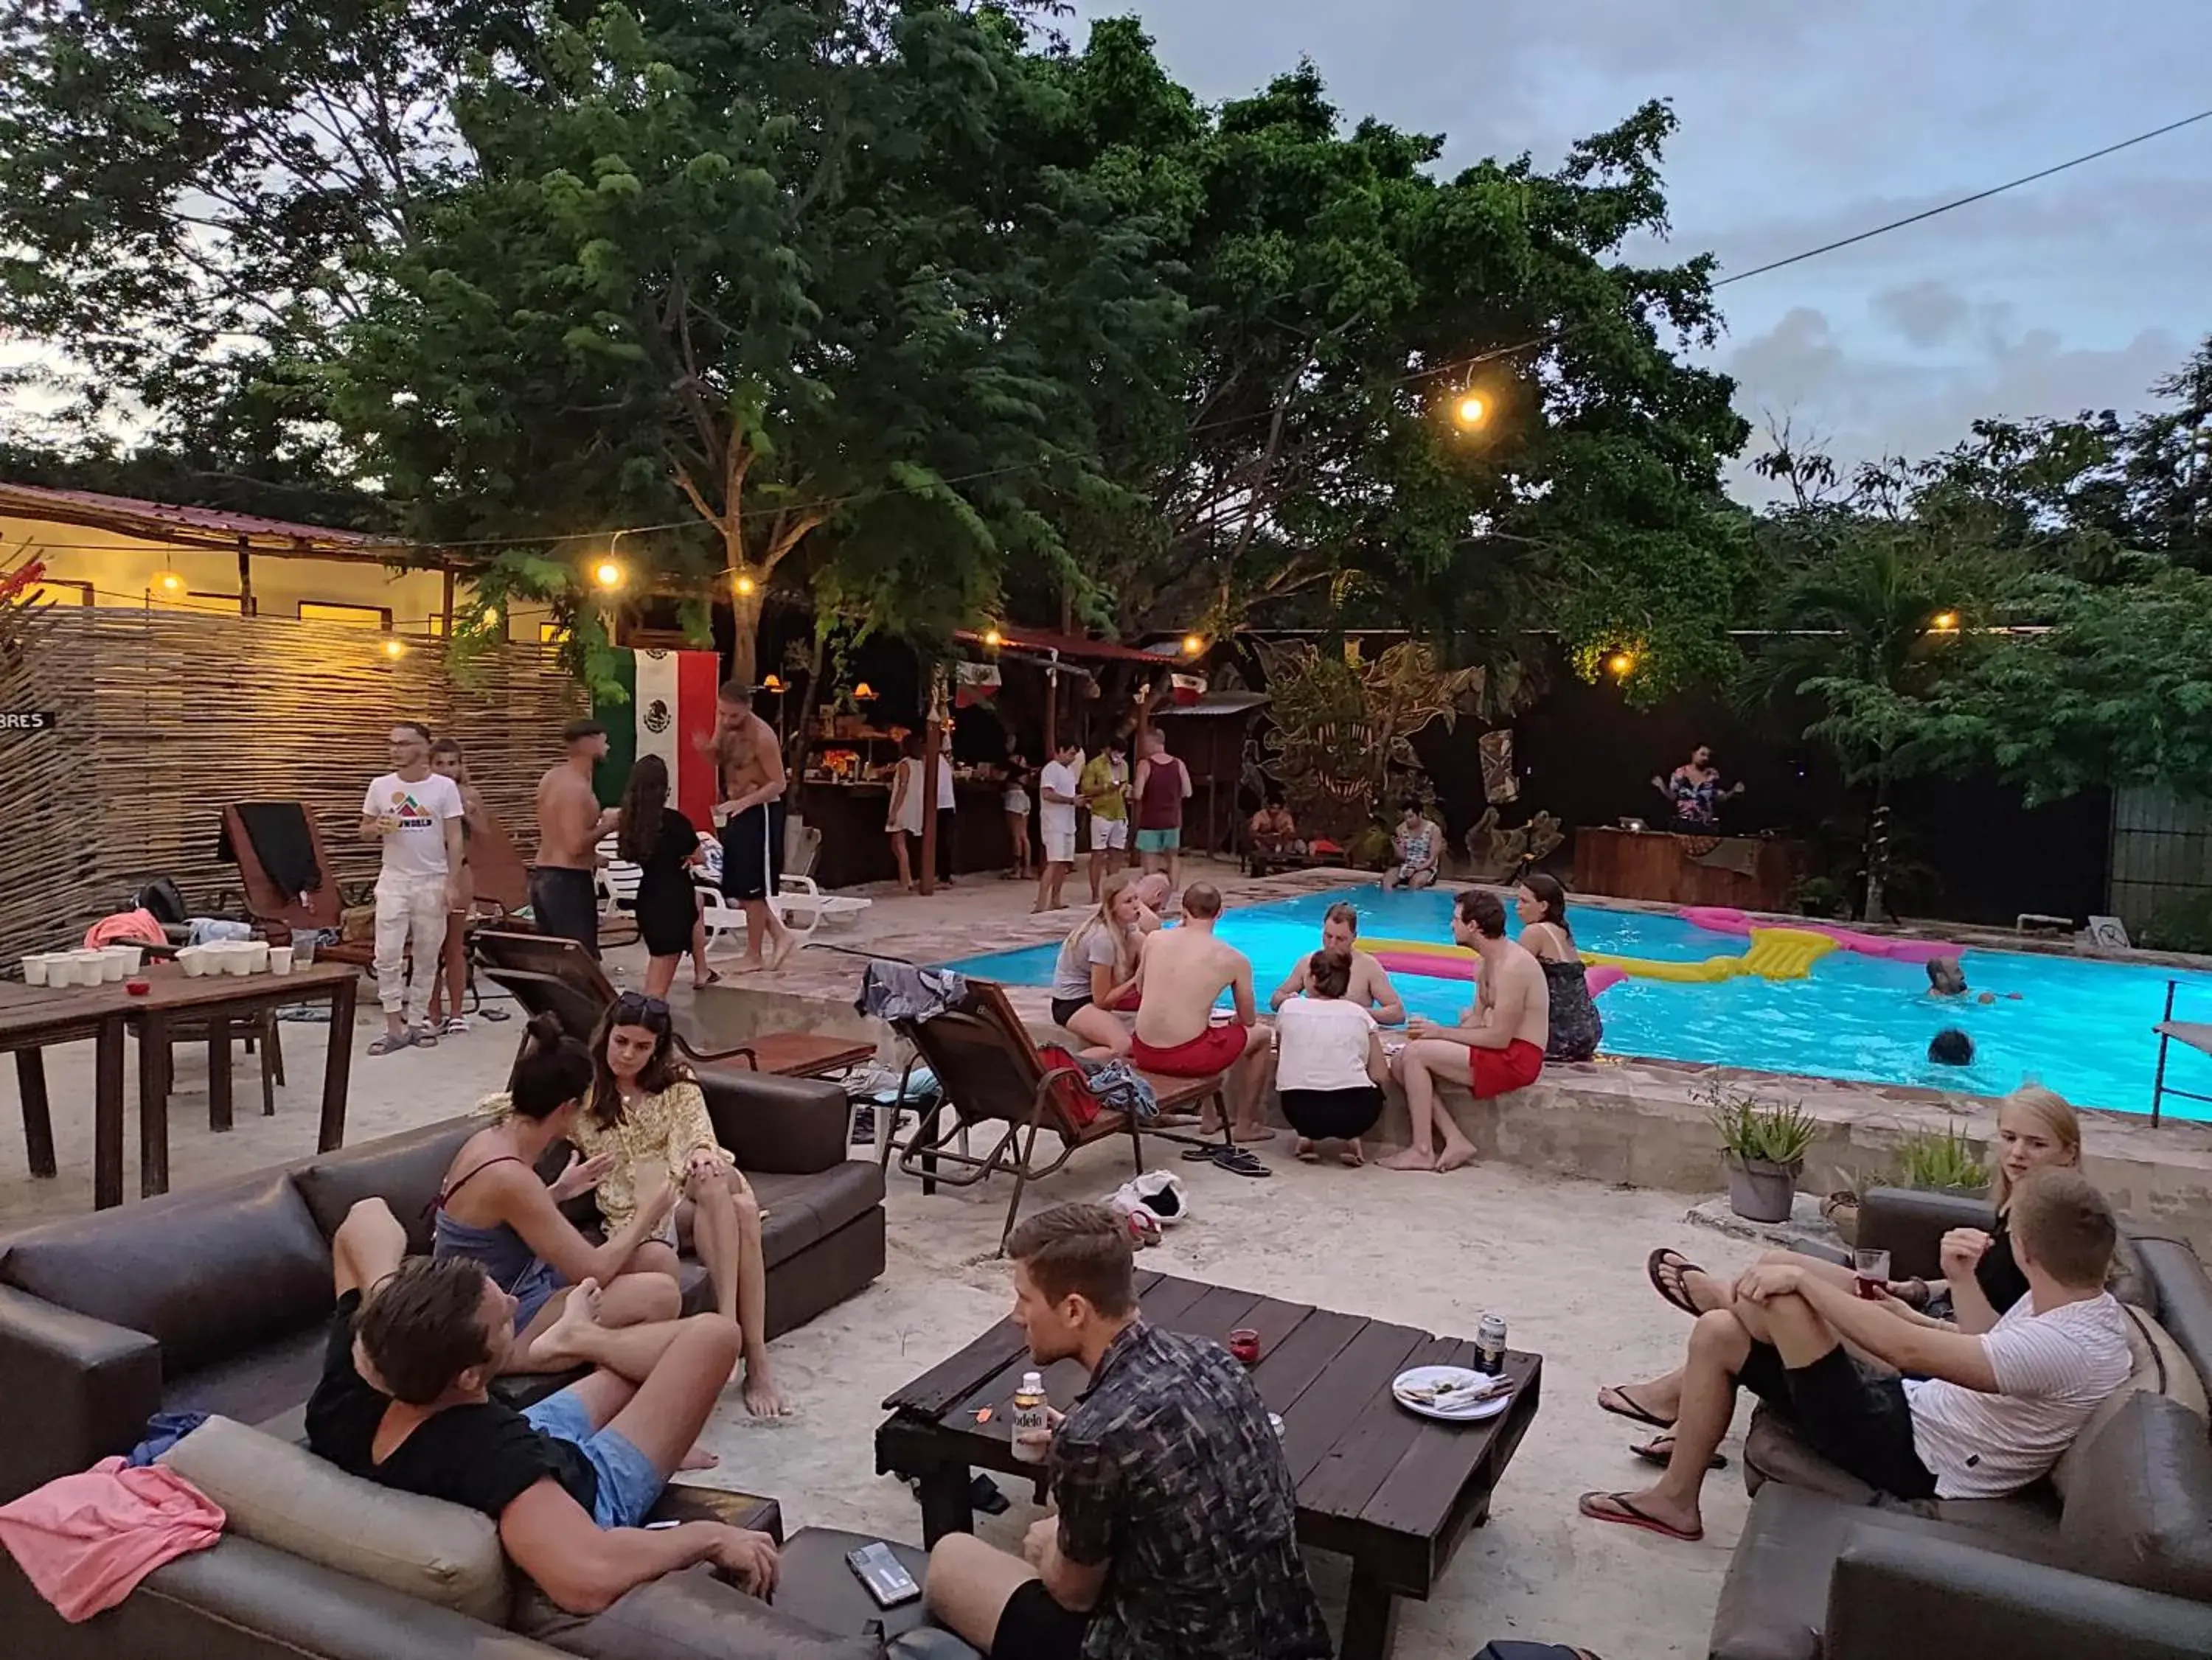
{"type": "Point", "coordinates": [1394, 1493]}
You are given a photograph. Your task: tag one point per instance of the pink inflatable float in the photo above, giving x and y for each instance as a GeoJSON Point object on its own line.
{"type": "Point", "coordinates": [1437, 966]}
{"type": "Point", "coordinates": [1725, 920]}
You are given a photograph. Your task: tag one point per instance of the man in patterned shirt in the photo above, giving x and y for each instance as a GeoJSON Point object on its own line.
{"type": "Point", "coordinates": [1175, 1538]}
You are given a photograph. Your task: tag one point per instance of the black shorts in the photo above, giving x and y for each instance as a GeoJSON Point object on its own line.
{"type": "Point", "coordinates": [1065, 1010]}
{"type": "Point", "coordinates": [1032, 1627]}
{"type": "Point", "coordinates": [565, 904]}
{"type": "Point", "coordinates": [1332, 1115]}
{"type": "Point", "coordinates": [1860, 1422]}
{"type": "Point", "coordinates": [752, 852]}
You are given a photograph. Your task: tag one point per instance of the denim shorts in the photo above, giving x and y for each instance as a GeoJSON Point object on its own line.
{"type": "Point", "coordinates": [630, 1486]}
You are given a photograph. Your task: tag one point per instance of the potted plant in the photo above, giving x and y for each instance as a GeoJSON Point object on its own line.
{"type": "Point", "coordinates": [1763, 1143]}
{"type": "Point", "coordinates": [1944, 1162]}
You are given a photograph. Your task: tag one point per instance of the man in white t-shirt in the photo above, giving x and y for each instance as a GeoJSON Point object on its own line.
{"type": "Point", "coordinates": [1960, 1417]}
{"type": "Point", "coordinates": [416, 813]}
{"type": "Point", "coordinates": [1059, 787]}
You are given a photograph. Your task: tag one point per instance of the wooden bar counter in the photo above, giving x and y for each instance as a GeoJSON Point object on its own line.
{"type": "Point", "coordinates": [1751, 873]}
{"type": "Point", "coordinates": [855, 848]}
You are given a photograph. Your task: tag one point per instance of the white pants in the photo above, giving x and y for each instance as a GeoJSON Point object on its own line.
{"type": "Point", "coordinates": [411, 911]}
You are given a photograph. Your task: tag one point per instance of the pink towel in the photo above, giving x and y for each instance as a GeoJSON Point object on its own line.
{"type": "Point", "coordinates": [124, 928]}
{"type": "Point", "coordinates": [85, 1542]}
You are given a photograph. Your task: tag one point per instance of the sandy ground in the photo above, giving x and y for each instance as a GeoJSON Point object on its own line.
{"type": "Point", "coordinates": [1561, 1259]}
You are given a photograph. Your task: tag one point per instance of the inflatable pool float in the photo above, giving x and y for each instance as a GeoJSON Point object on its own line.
{"type": "Point", "coordinates": [1725, 920]}
{"type": "Point", "coordinates": [1454, 962]}
{"type": "Point", "coordinates": [1775, 953]}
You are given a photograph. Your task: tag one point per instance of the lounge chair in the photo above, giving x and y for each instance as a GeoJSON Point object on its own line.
{"type": "Point", "coordinates": [270, 907]}
{"type": "Point", "coordinates": [558, 976]}
{"type": "Point", "coordinates": [990, 1072]}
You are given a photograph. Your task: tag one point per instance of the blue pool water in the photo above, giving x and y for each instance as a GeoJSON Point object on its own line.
{"type": "Point", "coordinates": [2082, 1028]}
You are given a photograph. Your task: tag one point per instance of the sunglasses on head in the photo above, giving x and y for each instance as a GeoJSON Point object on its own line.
{"type": "Point", "coordinates": [633, 1006]}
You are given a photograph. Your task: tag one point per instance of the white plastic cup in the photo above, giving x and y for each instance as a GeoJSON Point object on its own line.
{"type": "Point", "coordinates": [193, 961]}
{"type": "Point", "coordinates": [34, 969]}
{"type": "Point", "coordinates": [280, 958]}
{"type": "Point", "coordinates": [237, 958]}
{"type": "Point", "coordinates": [256, 952]}
{"type": "Point", "coordinates": [91, 967]}
{"type": "Point", "coordinates": [134, 958]}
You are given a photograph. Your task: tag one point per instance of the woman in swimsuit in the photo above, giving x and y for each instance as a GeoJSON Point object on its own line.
{"type": "Point", "coordinates": [1097, 971]}
{"type": "Point", "coordinates": [493, 1207]}
{"type": "Point", "coordinates": [1576, 1028]}
{"type": "Point", "coordinates": [647, 1117]}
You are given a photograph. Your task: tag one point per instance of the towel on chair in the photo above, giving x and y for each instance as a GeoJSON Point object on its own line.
{"type": "Point", "coordinates": [84, 1542]}
{"type": "Point", "coordinates": [897, 992]}
{"type": "Point", "coordinates": [282, 842]}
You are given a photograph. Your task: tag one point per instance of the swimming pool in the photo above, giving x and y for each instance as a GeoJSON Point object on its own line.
{"type": "Point", "coordinates": [2083, 1028]}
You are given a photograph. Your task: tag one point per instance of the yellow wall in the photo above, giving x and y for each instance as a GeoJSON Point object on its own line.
{"type": "Point", "coordinates": [122, 570]}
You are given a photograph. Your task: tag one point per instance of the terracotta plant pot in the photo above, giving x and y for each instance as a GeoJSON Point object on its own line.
{"type": "Point", "coordinates": [1761, 1191]}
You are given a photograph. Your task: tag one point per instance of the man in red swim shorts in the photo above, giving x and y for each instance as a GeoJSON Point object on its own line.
{"type": "Point", "coordinates": [1184, 970]}
{"type": "Point", "coordinates": [1500, 1048]}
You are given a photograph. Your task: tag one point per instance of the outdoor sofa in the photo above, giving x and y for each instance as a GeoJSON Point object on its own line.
{"type": "Point", "coordinates": [217, 1299]}
{"type": "Point", "coordinates": [2110, 1557]}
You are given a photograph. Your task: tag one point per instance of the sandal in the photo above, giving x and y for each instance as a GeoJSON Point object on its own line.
{"type": "Point", "coordinates": [387, 1044]}
{"type": "Point", "coordinates": [1629, 1408]}
{"type": "Point", "coordinates": [1239, 1161]}
{"type": "Point", "coordinates": [1667, 1271]}
{"type": "Point", "coordinates": [1660, 1451]}
{"type": "Point", "coordinates": [423, 1038]}
{"type": "Point", "coordinates": [1626, 1515]}
{"type": "Point", "coordinates": [455, 1026]}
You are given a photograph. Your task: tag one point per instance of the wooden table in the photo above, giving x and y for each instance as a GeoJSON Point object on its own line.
{"type": "Point", "coordinates": [1394, 1493]}
{"type": "Point", "coordinates": [32, 1017]}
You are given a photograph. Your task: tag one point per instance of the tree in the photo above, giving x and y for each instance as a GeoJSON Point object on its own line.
{"type": "Point", "coordinates": [773, 270]}
{"type": "Point", "coordinates": [1343, 300]}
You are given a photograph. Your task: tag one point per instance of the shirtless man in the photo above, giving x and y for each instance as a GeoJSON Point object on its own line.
{"type": "Point", "coordinates": [1153, 892]}
{"type": "Point", "coordinates": [750, 762]}
{"type": "Point", "coordinates": [1370, 986]}
{"type": "Point", "coordinates": [1501, 1047]}
{"type": "Point", "coordinates": [563, 898]}
{"type": "Point", "coordinates": [1183, 970]}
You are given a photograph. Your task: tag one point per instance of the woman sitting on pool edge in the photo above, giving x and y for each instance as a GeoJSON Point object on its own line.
{"type": "Point", "coordinates": [494, 1207]}
{"type": "Point", "coordinates": [1371, 986]}
{"type": "Point", "coordinates": [1096, 972]}
{"type": "Point", "coordinates": [649, 1116]}
{"type": "Point", "coordinates": [1576, 1028]}
{"type": "Point", "coordinates": [1329, 1065]}
{"type": "Point", "coordinates": [2037, 1129]}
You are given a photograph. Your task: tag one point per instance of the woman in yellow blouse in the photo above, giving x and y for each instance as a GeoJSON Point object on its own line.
{"type": "Point", "coordinates": [648, 1114]}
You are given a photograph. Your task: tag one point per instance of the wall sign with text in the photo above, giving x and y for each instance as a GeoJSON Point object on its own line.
{"type": "Point", "coordinates": [27, 720]}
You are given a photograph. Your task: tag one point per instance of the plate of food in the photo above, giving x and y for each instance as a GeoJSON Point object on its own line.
{"type": "Point", "coordinates": [1452, 1394]}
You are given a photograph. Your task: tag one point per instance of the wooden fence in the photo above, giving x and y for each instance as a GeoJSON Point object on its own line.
{"type": "Point", "coordinates": [164, 717]}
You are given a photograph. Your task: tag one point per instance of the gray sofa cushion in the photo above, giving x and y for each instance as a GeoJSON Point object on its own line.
{"type": "Point", "coordinates": [2140, 1511]}
{"type": "Point", "coordinates": [694, 1615]}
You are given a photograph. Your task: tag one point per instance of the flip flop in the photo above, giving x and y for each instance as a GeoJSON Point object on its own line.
{"type": "Point", "coordinates": [1201, 1154]}
{"type": "Point", "coordinates": [1623, 1514]}
{"type": "Point", "coordinates": [1659, 1451]}
{"type": "Point", "coordinates": [386, 1043]}
{"type": "Point", "coordinates": [1628, 1409]}
{"type": "Point", "coordinates": [1666, 1269]}
{"type": "Point", "coordinates": [1240, 1161]}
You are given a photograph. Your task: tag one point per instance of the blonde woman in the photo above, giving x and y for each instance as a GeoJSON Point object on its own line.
{"type": "Point", "coordinates": [1097, 970]}
{"type": "Point", "coordinates": [2037, 1129]}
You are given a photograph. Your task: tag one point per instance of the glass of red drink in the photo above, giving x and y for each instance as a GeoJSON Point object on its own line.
{"type": "Point", "coordinates": [1871, 1268]}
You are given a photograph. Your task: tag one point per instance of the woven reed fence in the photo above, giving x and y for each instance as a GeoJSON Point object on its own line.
{"type": "Point", "coordinates": [165, 718]}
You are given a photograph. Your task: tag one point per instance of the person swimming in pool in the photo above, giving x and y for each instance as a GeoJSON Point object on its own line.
{"type": "Point", "coordinates": [1951, 1047]}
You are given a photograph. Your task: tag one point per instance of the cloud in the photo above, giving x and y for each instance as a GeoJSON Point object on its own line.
{"type": "Point", "coordinates": [1927, 312]}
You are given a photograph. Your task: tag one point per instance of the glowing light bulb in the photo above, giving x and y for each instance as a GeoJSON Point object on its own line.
{"type": "Point", "coordinates": [1619, 664]}
{"type": "Point", "coordinates": [1193, 645]}
{"type": "Point", "coordinates": [1471, 411]}
{"type": "Point", "coordinates": [993, 638]}
{"type": "Point", "coordinates": [1945, 622]}
{"type": "Point", "coordinates": [395, 649]}
{"type": "Point", "coordinates": [607, 573]}
{"type": "Point", "coordinates": [169, 582]}
{"type": "Point", "coordinates": [745, 586]}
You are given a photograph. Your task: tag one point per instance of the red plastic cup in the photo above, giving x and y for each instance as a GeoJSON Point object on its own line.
{"type": "Point", "coordinates": [137, 988]}
{"type": "Point", "coordinates": [1245, 1344]}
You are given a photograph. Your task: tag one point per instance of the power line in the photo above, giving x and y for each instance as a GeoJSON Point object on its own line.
{"type": "Point", "coordinates": [1968, 201]}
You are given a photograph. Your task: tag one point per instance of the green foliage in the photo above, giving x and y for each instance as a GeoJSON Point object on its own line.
{"type": "Point", "coordinates": [2180, 924]}
{"type": "Point", "coordinates": [1751, 1126]}
{"type": "Point", "coordinates": [1942, 1162]}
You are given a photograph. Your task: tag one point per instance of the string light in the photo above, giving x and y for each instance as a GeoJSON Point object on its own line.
{"type": "Point", "coordinates": [607, 573]}
{"type": "Point", "coordinates": [745, 586]}
{"type": "Point", "coordinates": [1193, 645]}
{"type": "Point", "coordinates": [395, 649]}
{"type": "Point", "coordinates": [1619, 664]}
{"type": "Point", "coordinates": [1945, 622]}
{"type": "Point", "coordinates": [1471, 411]}
{"type": "Point", "coordinates": [773, 683]}
{"type": "Point", "coordinates": [169, 582]}
{"type": "Point", "coordinates": [993, 638]}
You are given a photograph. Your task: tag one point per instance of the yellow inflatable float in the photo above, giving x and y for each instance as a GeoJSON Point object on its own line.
{"type": "Point", "coordinates": [1775, 953]}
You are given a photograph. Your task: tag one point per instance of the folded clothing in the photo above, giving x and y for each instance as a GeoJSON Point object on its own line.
{"type": "Point", "coordinates": [84, 1542]}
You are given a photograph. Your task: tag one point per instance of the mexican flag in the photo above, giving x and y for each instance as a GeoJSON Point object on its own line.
{"type": "Point", "coordinates": [670, 705]}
